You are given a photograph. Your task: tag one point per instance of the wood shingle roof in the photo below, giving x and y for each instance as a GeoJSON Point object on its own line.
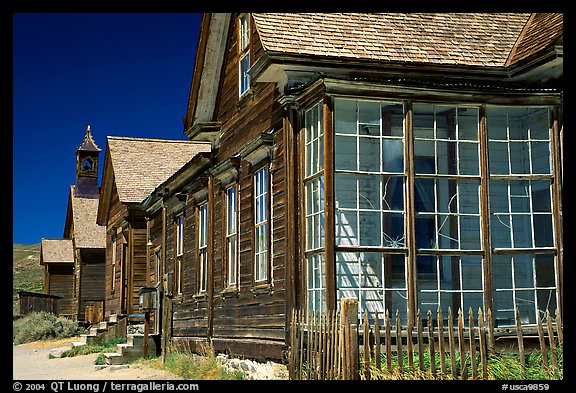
{"type": "Point", "coordinates": [56, 251]}
{"type": "Point", "coordinates": [141, 164]}
{"type": "Point", "coordinates": [471, 39]}
{"type": "Point", "coordinates": [87, 233]}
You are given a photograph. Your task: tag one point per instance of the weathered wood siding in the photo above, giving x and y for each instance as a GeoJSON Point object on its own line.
{"type": "Point", "coordinates": [251, 323]}
{"type": "Point", "coordinates": [137, 259]}
{"type": "Point", "coordinates": [113, 291]}
{"type": "Point", "coordinates": [92, 273]}
{"type": "Point", "coordinates": [61, 282]}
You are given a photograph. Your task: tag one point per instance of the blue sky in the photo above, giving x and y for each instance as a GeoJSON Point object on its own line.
{"type": "Point", "coordinates": [122, 74]}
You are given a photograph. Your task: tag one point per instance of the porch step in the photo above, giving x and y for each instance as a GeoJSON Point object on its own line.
{"type": "Point", "coordinates": [97, 333]}
{"type": "Point", "coordinates": [132, 349]}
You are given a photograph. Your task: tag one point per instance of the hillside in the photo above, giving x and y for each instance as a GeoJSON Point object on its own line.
{"type": "Point", "coordinates": [27, 274]}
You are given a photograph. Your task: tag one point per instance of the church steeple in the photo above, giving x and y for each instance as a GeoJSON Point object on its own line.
{"type": "Point", "coordinates": [87, 155]}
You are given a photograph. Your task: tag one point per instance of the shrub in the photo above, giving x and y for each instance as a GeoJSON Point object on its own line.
{"type": "Point", "coordinates": [43, 326]}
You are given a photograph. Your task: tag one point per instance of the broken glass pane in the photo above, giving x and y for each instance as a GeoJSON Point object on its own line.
{"type": "Point", "coordinates": [345, 116]}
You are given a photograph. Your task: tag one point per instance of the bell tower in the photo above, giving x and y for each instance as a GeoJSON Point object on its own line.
{"type": "Point", "coordinates": [87, 155]}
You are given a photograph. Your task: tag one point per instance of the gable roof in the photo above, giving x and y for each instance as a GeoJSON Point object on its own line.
{"type": "Point", "coordinates": [56, 251]}
{"type": "Point", "coordinates": [468, 43]}
{"type": "Point", "coordinates": [478, 39]}
{"type": "Point", "coordinates": [87, 233]}
{"type": "Point", "coordinates": [540, 32]}
{"type": "Point", "coordinates": [140, 164]}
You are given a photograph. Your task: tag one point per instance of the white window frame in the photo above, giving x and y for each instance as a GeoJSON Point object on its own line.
{"type": "Point", "coordinates": [231, 234]}
{"type": "Point", "coordinates": [179, 253]}
{"type": "Point", "coordinates": [243, 54]}
{"type": "Point", "coordinates": [261, 223]}
{"type": "Point", "coordinates": [203, 246]}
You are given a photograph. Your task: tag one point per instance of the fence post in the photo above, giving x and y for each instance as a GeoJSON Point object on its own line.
{"type": "Point", "coordinates": [551, 340]}
{"type": "Point", "coordinates": [349, 319]}
{"type": "Point", "coordinates": [520, 340]}
{"type": "Point", "coordinates": [366, 346]}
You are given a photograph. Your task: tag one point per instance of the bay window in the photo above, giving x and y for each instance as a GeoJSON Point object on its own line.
{"type": "Point", "coordinates": [481, 209]}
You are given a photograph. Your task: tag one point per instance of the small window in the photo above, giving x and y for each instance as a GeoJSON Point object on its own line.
{"type": "Point", "coordinates": [203, 246]}
{"type": "Point", "coordinates": [261, 227]}
{"type": "Point", "coordinates": [243, 53]}
{"type": "Point", "coordinates": [178, 269]}
{"type": "Point", "coordinates": [231, 236]}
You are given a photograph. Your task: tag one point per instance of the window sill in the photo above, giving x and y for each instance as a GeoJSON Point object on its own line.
{"type": "Point", "coordinates": [262, 289]}
{"type": "Point", "coordinates": [230, 293]}
{"type": "Point", "coordinates": [200, 297]}
{"type": "Point", "coordinates": [244, 99]}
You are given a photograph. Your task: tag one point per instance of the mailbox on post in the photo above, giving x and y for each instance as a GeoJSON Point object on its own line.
{"type": "Point", "coordinates": [148, 299]}
{"type": "Point", "coordinates": [148, 304]}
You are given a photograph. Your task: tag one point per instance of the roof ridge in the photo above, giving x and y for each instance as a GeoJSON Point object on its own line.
{"type": "Point", "coordinates": [143, 139]}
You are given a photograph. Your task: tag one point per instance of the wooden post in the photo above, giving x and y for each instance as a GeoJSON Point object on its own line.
{"type": "Point", "coordinates": [349, 319]}
{"type": "Point", "coordinates": [542, 342]}
{"type": "Point", "coordinates": [551, 341]}
{"type": "Point", "coordinates": [461, 344]}
{"type": "Point", "coordinates": [491, 341]}
{"type": "Point", "coordinates": [431, 344]}
{"type": "Point", "coordinates": [366, 346]}
{"type": "Point", "coordinates": [377, 341]}
{"type": "Point", "coordinates": [409, 343]}
{"type": "Point", "coordinates": [472, 339]}
{"type": "Point", "coordinates": [520, 339]}
{"type": "Point", "coordinates": [482, 338]}
{"type": "Point", "coordinates": [441, 343]}
{"type": "Point", "coordinates": [420, 341]}
{"type": "Point", "coordinates": [146, 332]}
{"type": "Point", "coordinates": [399, 343]}
{"type": "Point", "coordinates": [559, 327]}
{"type": "Point", "coordinates": [452, 344]}
{"type": "Point", "coordinates": [388, 342]}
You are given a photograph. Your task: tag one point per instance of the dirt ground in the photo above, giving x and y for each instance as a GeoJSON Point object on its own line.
{"type": "Point", "coordinates": [31, 362]}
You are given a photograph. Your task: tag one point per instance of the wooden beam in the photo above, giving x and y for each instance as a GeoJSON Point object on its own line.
{"type": "Point", "coordinates": [329, 206]}
{"type": "Point", "coordinates": [486, 241]}
{"type": "Point", "coordinates": [409, 219]}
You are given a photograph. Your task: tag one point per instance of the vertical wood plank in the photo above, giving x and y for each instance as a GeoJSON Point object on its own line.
{"type": "Point", "coordinates": [410, 348]}
{"type": "Point", "coordinates": [349, 318]}
{"type": "Point", "coordinates": [366, 346]}
{"type": "Point", "coordinates": [399, 343]}
{"type": "Point", "coordinates": [452, 344]}
{"type": "Point", "coordinates": [377, 340]}
{"type": "Point", "coordinates": [542, 343]}
{"type": "Point", "coordinates": [559, 327]}
{"type": "Point", "coordinates": [329, 211]}
{"type": "Point", "coordinates": [409, 203]}
{"type": "Point", "coordinates": [551, 341]}
{"type": "Point", "coordinates": [292, 346]}
{"type": "Point", "coordinates": [420, 341]}
{"type": "Point", "coordinates": [441, 350]}
{"type": "Point", "coordinates": [388, 343]}
{"type": "Point", "coordinates": [472, 338]}
{"type": "Point", "coordinates": [482, 340]}
{"type": "Point", "coordinates": [431, 344]}
{"type": "Point", "coordinates": [520, 339]}
{"type": "Point", "coordinates": [461, 346]}
{"type": "Point", "coordinates": [491, 341]}
{"type": "Point", "coordinates": [302, 347]}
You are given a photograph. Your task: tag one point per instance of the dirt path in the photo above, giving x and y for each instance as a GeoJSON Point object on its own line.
{"type": "Point", "coordinates": [31, 361]}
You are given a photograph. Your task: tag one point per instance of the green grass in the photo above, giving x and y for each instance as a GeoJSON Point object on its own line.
{"type": "Point", "coordinates": [501, 366]}
{"type": "Point", "coordinates": [106, 346]}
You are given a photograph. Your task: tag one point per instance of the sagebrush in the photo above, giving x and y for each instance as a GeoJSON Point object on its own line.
{"type": "Point", "coordinates": [38, 326]}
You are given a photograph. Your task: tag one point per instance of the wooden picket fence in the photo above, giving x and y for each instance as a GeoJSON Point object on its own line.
{"type": "Point", "coordinates": [333, 345]}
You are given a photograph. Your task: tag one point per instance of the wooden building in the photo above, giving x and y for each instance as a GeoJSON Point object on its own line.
{"type": "Point", "coordinates": [75, 264]}
{"type": "Point", "coordinates": [133, 167]}
{"type": "Point", "coordinates": [57, 257]}
{"type": "Point", "coordinates": [409, 160]}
